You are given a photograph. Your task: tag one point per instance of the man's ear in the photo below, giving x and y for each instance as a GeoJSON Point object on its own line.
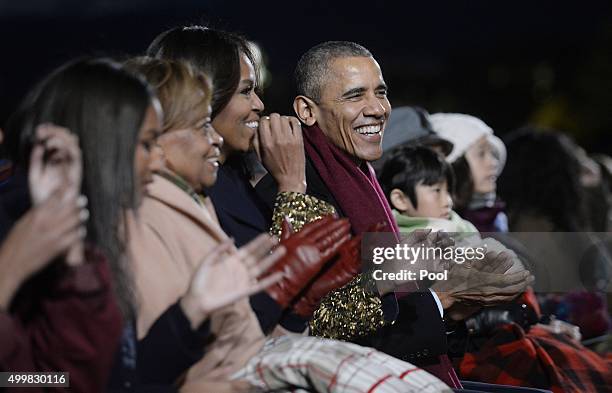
{"type": "Point", "coordinates": [400, 202]}
{"type": "Point", "coordinates": [305, 110]}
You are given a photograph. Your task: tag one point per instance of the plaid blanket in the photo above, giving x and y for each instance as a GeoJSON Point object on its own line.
{"type": "Point", "coordinates": [538, 359]}
{"type": "Point", "coordinates": [299, 363]}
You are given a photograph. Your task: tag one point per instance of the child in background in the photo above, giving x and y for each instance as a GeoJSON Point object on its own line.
{"type": "Point", "coordinates": [418, 184]}
{"type": "Point", "coordinates": [478, 158]}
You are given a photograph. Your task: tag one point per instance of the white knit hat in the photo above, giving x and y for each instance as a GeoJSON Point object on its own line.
{"type": "Point", "coordinates": [463, 131]}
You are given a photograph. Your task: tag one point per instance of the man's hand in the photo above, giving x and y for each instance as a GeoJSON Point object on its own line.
{"type": "Point", "coordinates": [416, 239]}
{"type": "Point", "coordinates": [514, 263]}
{"type": "Point", "coordinates": [281, 150]}
{"type": "Point", "coordinates": [226, 275]}
{"type": "Point", "coordinates": [479, 283]}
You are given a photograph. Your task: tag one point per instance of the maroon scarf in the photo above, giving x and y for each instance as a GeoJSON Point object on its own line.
{"type": "Point", "coordinates": [355, 189]}
{"type": "Point", "coordinates": [362, 200]}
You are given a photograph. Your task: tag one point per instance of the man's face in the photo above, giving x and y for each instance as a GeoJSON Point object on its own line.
{"type": "Point", "coordinates": [354, 108]}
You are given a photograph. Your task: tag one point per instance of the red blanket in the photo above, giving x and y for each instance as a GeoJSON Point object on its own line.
{"type": "Point", "coordinates": [538, 359]}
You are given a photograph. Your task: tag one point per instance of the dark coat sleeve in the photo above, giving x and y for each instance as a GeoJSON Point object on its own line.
{"type": "Point", "coordinates": [418, 332]}
{"type": "Point", "coordinates": [74, 327]}
{"type": "Point", "coordinates": [171, 347]}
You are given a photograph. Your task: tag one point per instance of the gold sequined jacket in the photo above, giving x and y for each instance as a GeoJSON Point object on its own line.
{"type": "Point", "coordinates": [347, 312]}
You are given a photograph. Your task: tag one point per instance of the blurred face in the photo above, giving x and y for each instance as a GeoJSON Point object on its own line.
{"type": "Point", "coordinates": [433, 201]}
{"type": "Point", "coordinates": [145, 150]}
{"type": "Point", "coordinates": [354, 108]}
{"type": "Point", "coordinates": [484, 165]}
{"type": "Point", "coordinates": [237, 123]}
{"type": "Point", "coordinates": [193, 153]}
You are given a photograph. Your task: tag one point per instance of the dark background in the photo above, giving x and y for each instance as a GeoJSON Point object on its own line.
{"type": "Point", "coordinates": [510, 63]}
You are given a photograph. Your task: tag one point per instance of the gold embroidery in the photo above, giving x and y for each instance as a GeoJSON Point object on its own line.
{"type": "Point", "coordinates": [347, 313]}
{"type": "Point", "coordinates": [299, 209]}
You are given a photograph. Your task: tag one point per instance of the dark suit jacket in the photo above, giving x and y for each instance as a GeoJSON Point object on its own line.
{"type": "Point", "coordinates": [418, 334]}
{"type": "Point", "coordinates": [242, 214]}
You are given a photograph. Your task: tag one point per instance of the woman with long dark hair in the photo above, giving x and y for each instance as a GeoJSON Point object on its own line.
{"type": "Point", "coordinates": [236, 114]}
{"type": "Point", "coordinates": [66, 308]}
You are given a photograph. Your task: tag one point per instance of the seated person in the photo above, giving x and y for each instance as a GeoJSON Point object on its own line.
{"type": "Point", "coordinates": [175, 227]}
{"type": "Point", "coordinates": [418, 183]}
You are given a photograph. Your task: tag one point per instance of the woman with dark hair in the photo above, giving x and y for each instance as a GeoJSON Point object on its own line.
{"type": "Point", "coordinates": [552, 168]}
{"type": "Point", "coordinates": [66, 309]}
{"type": "Point", "coordinates": [544, 163]}
{"type": "Point", "coordinates": [541, 186]}
{"type": "Point", "coordinates": [236, 114]}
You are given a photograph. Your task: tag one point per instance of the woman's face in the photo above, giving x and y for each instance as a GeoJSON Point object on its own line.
{"type": "Point", "coordinates": [237, 123]}
{"type": "Point", "coordinates": [145, 149]}
{"type": "Point", "coordinates": [193, 153]}
{"type": "Point", "coordinates": [484, 165]}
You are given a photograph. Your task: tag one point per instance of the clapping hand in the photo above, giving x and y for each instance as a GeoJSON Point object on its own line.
{"type": "Point", "coordinates": [226, 275]}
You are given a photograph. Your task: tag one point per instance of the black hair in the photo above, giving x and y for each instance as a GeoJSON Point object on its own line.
{"type": "Point", "coordinates": [409, 166]}
{"type": "Point", "coordinates": [105, 106]}
{"type": "Point", "coordinates": [313, 66]}
{"type": "Point", "coordinates": [464, 183]}
{"type": "Point", "coordinates": [542, 176]}
{"type": "Point", "coordinates": [215, 53]}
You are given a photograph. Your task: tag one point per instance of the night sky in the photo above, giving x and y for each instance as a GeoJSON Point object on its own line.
{"type": "Point", "coordinates": [545, 63]}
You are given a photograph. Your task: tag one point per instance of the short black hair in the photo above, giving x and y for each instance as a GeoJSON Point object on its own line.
{"type": "Point", "coordinates": [313, 66]}
{"type": "Point", "coordinates": [409, 166]}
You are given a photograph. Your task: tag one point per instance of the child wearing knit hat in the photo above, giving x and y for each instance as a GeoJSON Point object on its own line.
{"type": "Point", "coordinates": [478, 157]}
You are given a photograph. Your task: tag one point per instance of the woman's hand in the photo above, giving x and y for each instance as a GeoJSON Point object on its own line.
{"type": "Point", "coordinates": [42, 234]}
{"type": "Point", "coordinates": [281, 150]}
{"type": "Point", "coordinates": [345, 268]}
{"type": "Point", "coordinates": [307, 252]}
{"type": "Point", "coordinates": [56, 165]}
{"type": "Point", "coordinates": [227, 275]}
{"type": "Point", "coordinates": [483, 282]}
{"type": "Point", "coordinates": [218, 381]}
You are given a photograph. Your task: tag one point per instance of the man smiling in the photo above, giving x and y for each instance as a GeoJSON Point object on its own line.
{"type": "Point", "coordinates": [342, 101]}
{"type": "Point", "coordinates": [351, 109]}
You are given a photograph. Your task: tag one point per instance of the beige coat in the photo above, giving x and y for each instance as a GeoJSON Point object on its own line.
{"type": "Point", "coordinates": [168, 239]}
